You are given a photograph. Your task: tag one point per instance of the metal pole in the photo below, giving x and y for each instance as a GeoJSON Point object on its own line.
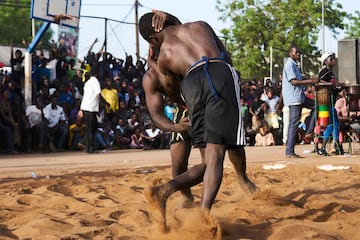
{"type": "Point", "coordinates": [105, 41]}
{"type": "Point", "coordinates": [271, 64]}
{"type": "Point", "coordinates": [33, 28]}
{"type": "Point", "coordinates": [137, 29]}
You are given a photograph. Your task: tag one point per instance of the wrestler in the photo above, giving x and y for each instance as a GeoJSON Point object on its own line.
{"type": "Point", "coordinates": [211, 92]}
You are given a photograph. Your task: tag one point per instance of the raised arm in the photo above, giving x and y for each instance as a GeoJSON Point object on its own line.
{"type": "Point", "coordinates": [92, 46]}
{"type": "Point", "coordinates": [160, 19]}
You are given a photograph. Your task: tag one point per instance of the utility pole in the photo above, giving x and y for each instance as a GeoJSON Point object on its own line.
{"type": "Point", "coordinates": [137, 29]}
{"type": "Point", "coordinates": [323, 25]}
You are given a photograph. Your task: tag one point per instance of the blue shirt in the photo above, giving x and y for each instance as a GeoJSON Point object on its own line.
{"type": "Point", "coordinates": [292, 95]}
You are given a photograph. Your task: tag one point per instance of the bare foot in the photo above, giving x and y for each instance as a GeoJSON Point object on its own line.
{"type": "Point", "coordinates": [248, 186]}
{"type": "Point", "coordinates": [215, 228]}
{"type": "Point", "coordinates": [187, 202]}
{"type": "Point", "coordinates": [156, 197]}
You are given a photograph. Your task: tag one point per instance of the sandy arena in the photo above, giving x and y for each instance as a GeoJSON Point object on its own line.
{"type": "Point", "coordinates": [74, 195]}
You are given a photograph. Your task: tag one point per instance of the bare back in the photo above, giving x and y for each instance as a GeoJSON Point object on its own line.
{"type": "Point", "coordinates": [179, 51]}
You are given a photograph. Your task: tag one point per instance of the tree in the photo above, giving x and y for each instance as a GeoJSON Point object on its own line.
{"type": "Point", "coordinates": [15, 23]}
{"type": "Point", "coordinates": [259, 25]}
{"type": "Point", "coordinates": [353, 28]}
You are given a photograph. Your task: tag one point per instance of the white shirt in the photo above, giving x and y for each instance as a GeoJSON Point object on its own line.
{"type": "Point", "coordinates": [152, 133]}
{"type": "Point", "coordinates": [52, 66]}
{"type": "Point", "coordinates": [34, 115]}
{"type": "Point", "coordinates": [54, 115]}
{"type": "Point", "coordinates": [91, 98]}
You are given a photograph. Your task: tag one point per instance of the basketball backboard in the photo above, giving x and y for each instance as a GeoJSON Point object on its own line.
{"type": "Point", "coordinates": [46, 10]}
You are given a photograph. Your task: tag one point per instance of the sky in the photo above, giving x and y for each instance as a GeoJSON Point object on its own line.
{"type": "Point", "coordinates": [121, 37]}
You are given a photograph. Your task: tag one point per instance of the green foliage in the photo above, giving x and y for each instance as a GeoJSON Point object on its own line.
{"type": "Point", "coordinates": [353, 29]}
{"type": "Point", "coordinates": [15, 23]}
{"type": "Point", "coordinates": [259, 25]}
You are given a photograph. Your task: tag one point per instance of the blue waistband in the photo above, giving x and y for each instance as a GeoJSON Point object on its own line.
{"type": "Point", "coordinates": [204, 62]}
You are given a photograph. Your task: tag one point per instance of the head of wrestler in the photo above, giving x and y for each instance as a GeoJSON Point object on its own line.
{"type": "Point", "coordinates": [147, 30]}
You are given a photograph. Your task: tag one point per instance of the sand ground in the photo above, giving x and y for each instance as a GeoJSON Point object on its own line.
{"type": "Point", "coordinates": [74, 195]}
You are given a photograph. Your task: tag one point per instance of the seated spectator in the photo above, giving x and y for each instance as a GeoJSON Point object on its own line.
{"type": "Point", "coordinates": [264, 137]}
{"type": "Point", "coordinates": [124, 112]}
{"type": "Point", "coordinates": [7, 138]}
{"type": "Point", "coordinates": [37, 125]}
{"type": "Point", "coordinates": [65, 98]}
{"type": "Point", "coordinates": [76, 134]}
{"type": "Point", "coordinates": [137, 139]}
{"type": "Point", "coordinates": [74, 111]}
{"type": "Point", "coordinates": [57, 126]}
{"type": "Point", "coordinates": [152, 138]}
{"type": "Point", "coordinates": [132, 123]}
{"type": "Point", "coordinates": [121, 139]}
{"type": "Point", "coordinates": [104, 136]}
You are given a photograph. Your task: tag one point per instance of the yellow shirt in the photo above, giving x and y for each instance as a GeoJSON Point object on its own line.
{"type": "Point", "coordinates": [111, 96]}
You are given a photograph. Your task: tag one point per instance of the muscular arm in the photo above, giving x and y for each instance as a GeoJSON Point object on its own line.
{"type": "Point", "coordinates": [151, 85]}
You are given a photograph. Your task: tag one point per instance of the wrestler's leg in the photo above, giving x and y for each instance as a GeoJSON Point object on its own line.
{"type": "Point", "coordinates": [158, 194]}
{"type": "Point", "coordinates": [214, 159]}
{"type": "Point", "coordinates": [237, 157]}
{"type": "Point", "coordinates": [180, 152]}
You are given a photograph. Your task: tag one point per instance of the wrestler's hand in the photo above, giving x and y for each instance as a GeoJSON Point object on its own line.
{"type": "Point", "coordinates": [183, 125]}
{"type": "Point", "coordinates": [158, 20]}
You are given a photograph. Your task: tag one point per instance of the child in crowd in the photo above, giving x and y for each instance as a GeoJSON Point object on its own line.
{"type": "Point", "coordinates": [264, 137]}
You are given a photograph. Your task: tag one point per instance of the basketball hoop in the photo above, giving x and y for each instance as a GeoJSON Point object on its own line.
{"type": "Point", "coordinates": [62, 17]}
{"type": "Point", "coordinates": [65, 13]}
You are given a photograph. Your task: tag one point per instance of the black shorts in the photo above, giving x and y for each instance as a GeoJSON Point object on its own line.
{"type": "Point", "coordinates": [214, 119]}
{"type": "Point", "coordinates": [180, 112]}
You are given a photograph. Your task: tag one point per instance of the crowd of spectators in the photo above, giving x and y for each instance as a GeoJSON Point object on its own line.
{"type": "Point", "coordinates": [262, 112]}
{"type": "Point", "coordinates": [50, 124]}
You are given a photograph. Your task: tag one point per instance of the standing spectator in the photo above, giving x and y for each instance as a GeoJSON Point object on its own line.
{"type": "Point", "coordinates": [62, 66]}
{"type": "Point", "coordinates": [110, 94]}
{"type": "Point", "coordinates": [257, 112]}
{"type": "Point", "coordinates": [57, 124]}
{"type": "Point", "coordinates": [51, 65]}
{"type": "Point", "coordinates": [294, 97]}
{"type": "Point", "coordinates": [17, 69]}
{"type": "Point", "coordinates": [271, 115]}
{"type": "Point", "coordinates": [8, 119]}
{"type": "Point", "coordinates": [326, 76]}
{"type": "Point", "coordinates": [123, 92]}
{"type": "Point", "coordinates": [89, 108]}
